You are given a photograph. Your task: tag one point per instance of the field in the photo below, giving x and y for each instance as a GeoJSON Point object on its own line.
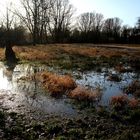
{"type": "Point", "coordinates": [71, 91]}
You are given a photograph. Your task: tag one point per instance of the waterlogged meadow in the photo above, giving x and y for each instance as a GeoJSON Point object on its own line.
{"type": "Point", "coordinates": [71, 92]}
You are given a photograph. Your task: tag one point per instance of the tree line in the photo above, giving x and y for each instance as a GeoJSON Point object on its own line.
{"type": "Point", "coordinates": [52, 21]}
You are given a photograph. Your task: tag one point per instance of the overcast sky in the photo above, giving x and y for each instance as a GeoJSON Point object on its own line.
{"type": "Point", "coordinates": [127, 10]}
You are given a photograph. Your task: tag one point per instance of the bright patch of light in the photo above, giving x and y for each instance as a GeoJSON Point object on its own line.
{"type": "Point", "coordinates": [4, 81]}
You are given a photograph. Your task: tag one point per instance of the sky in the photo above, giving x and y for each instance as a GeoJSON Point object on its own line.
{"type": "Point", "coordinates": [127, 10]}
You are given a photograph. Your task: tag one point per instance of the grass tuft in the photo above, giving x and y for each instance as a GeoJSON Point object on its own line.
{"type": "Point", "coordinates": [57, 84]}
{"type": "Point", "coordinates": [81, 93]}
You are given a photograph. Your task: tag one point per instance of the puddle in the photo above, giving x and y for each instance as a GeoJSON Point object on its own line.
{"type": "Point", "coordinates": [21, 96]}
{"type": "Point", "coordinates": [109, 88]}
{"type": "Point", "coordinates": [24, 96]}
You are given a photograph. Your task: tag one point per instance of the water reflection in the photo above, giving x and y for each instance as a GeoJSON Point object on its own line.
{"type": "Point", "coordinates": [25, 96]}
{"type": "Point", "coordinates": [110, 88]}
{"type": "Point", "coordinates": [21, 95]}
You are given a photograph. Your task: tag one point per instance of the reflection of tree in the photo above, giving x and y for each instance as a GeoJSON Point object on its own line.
{"type": "Point", "coordinates": [8, 72]}
{"type": "Point", "coordinates": [28, 87]}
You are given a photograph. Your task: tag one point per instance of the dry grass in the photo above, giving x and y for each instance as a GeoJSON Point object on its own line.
{"type": "Point", "coordinates": [82, 94]}
{"type": "Point", "coordinates": [120, 68]}
{"type": "Point", "coordinates": [31, 53]}
{"type": "Point", "coordinates": [2, 55]}
{"type": "Point", "coordinates": [56, 84]}
{"type": "Point", "coordinates": [93, 50]}
{"type": "Point", "coordinates": [121, 102]}
{"type": "Point", "coordinates": [133, 103]}
{"type": "Point", "coordinates": [133, 88]}
{"type": "Point", "coordinates": [52, 51]}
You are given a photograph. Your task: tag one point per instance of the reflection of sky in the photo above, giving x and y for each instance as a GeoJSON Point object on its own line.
{"type": "Point", "coordinates": [32, 96]}
{"type": "Point", "coordinates": [4, 83]}
{"type": "Point", "coordinates": [21, 95]}
{"type": "Point", "coordinates": [110, 88]}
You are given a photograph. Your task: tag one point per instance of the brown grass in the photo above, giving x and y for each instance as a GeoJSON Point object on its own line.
{"type": "Point", "coordinates": [133, 88]}
{"type": "Point", "coordinates": [93, 50]}
{"type": "Point", "coordinates": [54, 51]}
{"type": "Point", "coordinates": [121, 102]}
{"type": "Point", "coordinates": [2, 55]}
{"type": "Point", "coordinates": [56, 84]}
{"type": "Point", "coordinates": [120, 68]}
{"type": "Point", "coordinates": [133, 103]}
{"type": "Point", "coordinates": [31, 53]}
{"type": "Point", "coordinates": [83, 94]}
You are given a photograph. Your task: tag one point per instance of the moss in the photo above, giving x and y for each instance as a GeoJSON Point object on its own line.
{"type": "Point", "coordinates": [2, 119]}
{"type": "Point", "coordinates": [75, 133]}
{"type": "Point", "coordinates": [54, 129]}
{"type": "Point", "coordinates": [135, 115]}
{"type": "Point", "coordinates": [61, 138]}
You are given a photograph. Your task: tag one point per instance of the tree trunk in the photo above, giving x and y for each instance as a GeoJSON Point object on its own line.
{"type": "Point", "coordinates": [10, 54]}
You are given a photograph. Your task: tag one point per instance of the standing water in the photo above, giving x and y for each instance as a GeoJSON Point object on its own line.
{"type": "Point", "coordinates": [26, 96]}
{"type": "Point", "coordinates": [29, 97]}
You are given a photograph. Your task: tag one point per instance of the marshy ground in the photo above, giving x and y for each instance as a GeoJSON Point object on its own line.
{"type": "Point", "coordinates": [71, 91]}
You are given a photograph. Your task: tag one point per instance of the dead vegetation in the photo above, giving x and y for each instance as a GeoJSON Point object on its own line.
{"type": "Point", "coordinates": [121, 69]}
{"type": "Point", "coordinates": [121, 102]}
{"type": "Point", "coordinates": [133, 103]}
{"type": "Point", "coordinates": [133, 88]}
{"type": "Point", "coordinates": [82, 94]}
{"type": "Point", "coordinates": [31, 53]}
{"type": "Point", "coordinates": [57, 85]}
{"type": "Point", "coordinates": [2, 55]}
{"type": "Point", "coordinates": [54, 51]}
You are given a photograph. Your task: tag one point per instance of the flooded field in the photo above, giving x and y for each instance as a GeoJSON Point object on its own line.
{"type": "Point", "coordinates": [70, 91]}
{"type": "Point", "coordinates": [25, 96]}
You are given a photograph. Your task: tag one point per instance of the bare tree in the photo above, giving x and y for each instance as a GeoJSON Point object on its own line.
{"type": "Point", "coordinates": [90, 22]}
{"type": "Point", "coordinates": [138, 23]}
{"type": "Point", "coordinates": [112, 28]}
{"type": "Point", "coordinates": [35, 18]}
{"type": "Point", "coordinates": [86, 22]}
{"type": "Point", "coordinates": [60, 19]}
